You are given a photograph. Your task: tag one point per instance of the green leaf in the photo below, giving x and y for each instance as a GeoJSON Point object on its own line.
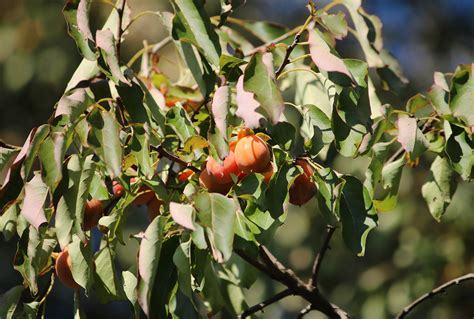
{"type": "Point", "coordinates": [462, 94]}
{"type": "Point", "coordinates": [140, 149]}
{"type": "Point", "coordinates": [104, 137]}
{"type": "Point", "coordinates": [391, 175]}
{"type": "Point", "coordinates": [329, 194]}
{"type": "Point", "coordinates": [229, 67]}
{"type": "Point", "coordinates": [8, 221]}
{"type": "Point", "coordinates": [217, 214]}
{"type": "Point", "coordinates": [459, 150]}
{"type": "Point", "coordinates": [74, 191]}
{"type": "Point", "coordinates": [109, 62]}
{"type": "Point", "coordinates": [36, 137]}
{"type": "Point", "coordinates": [9, 301]}
{"type": "Point", "coordinates": [130, 283]}
{"type": "Point", "coordinates": [81, 263]}
{"type": "Point", "coordinates": [277, 191]}
{"type": "Point", "coordinates": [36, 192]}
{"type": "Point", "coordinates": [440, 187]}
{"type": "Point", "coordinates": [76, 14]}
{"type": "Point", "coordinates": [192, 24]}
{"type": "Point", "coordinates": [182, 214]}
{"type": "Point", "coordinates": [259, 78]}
{"type": "Point", "coordinates": [179, 121]}
{"type": "Point", "coordinates": [358, 214]}
{"type": "Point", "coordinates": [148, 260]}
{"type": "Point", "coordinates": [107, 284]}
{"type": "Point", "coordinates": [373, 175]}
{"type": "Point", "coordinates": [411, 137]}
{"type": "Point", "coordinates": [335, 23]}
{"type": "Point", "coordinates": [316, 129]}
{"type": "Point", "coordinates": [7, 158]}
{"type": "Point", "coordinates": [51, 155]}
{"type": "Point", "coordinates": [78, 310]}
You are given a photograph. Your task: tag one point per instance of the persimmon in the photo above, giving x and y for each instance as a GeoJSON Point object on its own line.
{"type": "Point", "coordinates": [252, 154]}
{"type": "Point", "coordinates": [63, 268]}
{"type": "Point", "coordinates": [93, 211]}
{"type": "Point", "coordinates": [207, 180]}
{"type": "Point", "coordinates": [303, 188]}
{"type": "Point", "coordinates": [185, 174]}
{"type": "Point", "coordinates": [153, 208]}
{"type": "Point", "coordinates": [223, 172]}
{"type": "Point", "coordinates": [118, 189]}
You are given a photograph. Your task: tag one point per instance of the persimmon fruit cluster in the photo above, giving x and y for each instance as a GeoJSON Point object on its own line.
{"type": "Point", "coordinates": [249, 154]}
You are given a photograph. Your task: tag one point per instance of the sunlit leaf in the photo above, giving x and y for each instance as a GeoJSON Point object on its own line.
{"type": "Point", "coordinates": [76, 13]}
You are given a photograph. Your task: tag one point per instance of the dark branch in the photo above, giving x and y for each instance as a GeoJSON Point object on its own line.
{"type": "Point", "coordinates": [296, 40]}
{"type": "Point", "coordinates": [121, 11]}
{"type": "Point", "coordinates": [319, 258]}
{"type": "Point", "coordinates": [165, 153]}
{"type": "Point", "coordinates": [259, 307]}
{"type": "Point", "coordinates": [268, 264]}
{"type": "Point", "coordinates": [440, 289]}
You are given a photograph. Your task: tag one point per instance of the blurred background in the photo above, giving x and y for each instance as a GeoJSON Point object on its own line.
{"type": "Point", "coordinates": [407, 255]}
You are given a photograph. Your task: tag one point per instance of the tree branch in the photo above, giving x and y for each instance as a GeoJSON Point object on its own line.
{"type": "Point", "coordinates": [440, 289]}
{"type": "Point", "coordinates": [121, 10]}
{"type": "Point", "coordinates": [296, 40]}
{"type": "Point", "coordinates": [319, 258]}
{"type": "Point", "coordinates": [273, 268]}
{"type": "Point", "coordinates": [305, 311]}
{"type": "Point", "coordinates": [259, 307]}
{"type": "Point", "coordinates": [165, 153]}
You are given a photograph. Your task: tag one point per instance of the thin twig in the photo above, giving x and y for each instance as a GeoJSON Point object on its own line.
{"type": "Point", "coordinates": [440, 289]}
{"type": "Point", "coordinates": [260, 306]}
{"type": "Point", "coordinates": [120, 30]}
{"type": "Point", "coordinates": [319, 258]}
{"type": "Point", "coordinates": [165, 153]}
{"type": "Point", "coordinates": [295, 42]}
{"type": "Point", "coordinates": [272, 42]}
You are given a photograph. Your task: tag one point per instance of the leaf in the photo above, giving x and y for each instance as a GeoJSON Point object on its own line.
{"type": "Point", "coordinates": [140, 148]}
{"type": "Point", "coordinates": [329, 194]}
{"type": "Point", "coordinates": [182, 214]}
{"type": "Point", "coordinates": [148, 259]}
{"type": "Point", "coordinates": [459, 150]}
{"type": "Point", "coordinates": [229, 66]}
{"type": "Point", "coordinates": [107, 284]}
{"type": "Point", "coordinates": [322, 56]}
{"type": "Point", "coordinates": [217, 213]}
{"type": "Point", "coordinates": [179, 121]}
{"type": "Point", "coordinates": [76, 14]}
{"type": "Point", "coordinates": [130, 283]}
{"type": "Point", "coordinates": [410, 136]}
{"type": "Point", "coordinates": [192, 24]}
{"type": "Point", "coordinates": [462, 94]}
{"type": "Point", "coordinates": [36, 193]}
{"type": "Point", "coordinates": [7, 158]}
{"type": "Point", "coordinates": [391, 175]}
{"type": "Point", "coordinates": [110, 63]}
{"type": "Point", "coordinates": [81, 263]}
{"type": "Point", "coordinates": [440, 187]}
{"type": "Point", "coordinates": [316, 129]}
{"type": "Point", "coordinates": [51, 155]}
{"type": "Point", "coordinates": [220, 108]}
{"type": "Point", "coordinates": [73, 103]}
{"type": "Point", "coordinates": [277, 190]}
{"type": "Point", "coordinates": [8, 221]}
{"type": "Point", "coordinates": [74, 191]}
{"type": "Point", "coordinates": [36, 138]}
{"type": "Point", "coordinates": [247, 106]}
{"type": "Point", "coordinates": [335, 23]}
{"type": "Point", "coordinates": [104, 138]}
{"type": "Point", "coordinates": [9, 301]}
{"type": "Point", "coordinates": [259, 78]}
{"type": "Point", "coordinates": [227, 8]}
{"type": "Point", "coordinates": [358, 214]}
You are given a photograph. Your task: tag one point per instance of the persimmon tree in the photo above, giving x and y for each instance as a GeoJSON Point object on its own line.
{"type": "Point", "coordinates": [246, 124]}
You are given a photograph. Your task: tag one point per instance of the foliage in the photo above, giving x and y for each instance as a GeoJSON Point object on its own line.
{"type": "Point", "coordinates": [142, 128]}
